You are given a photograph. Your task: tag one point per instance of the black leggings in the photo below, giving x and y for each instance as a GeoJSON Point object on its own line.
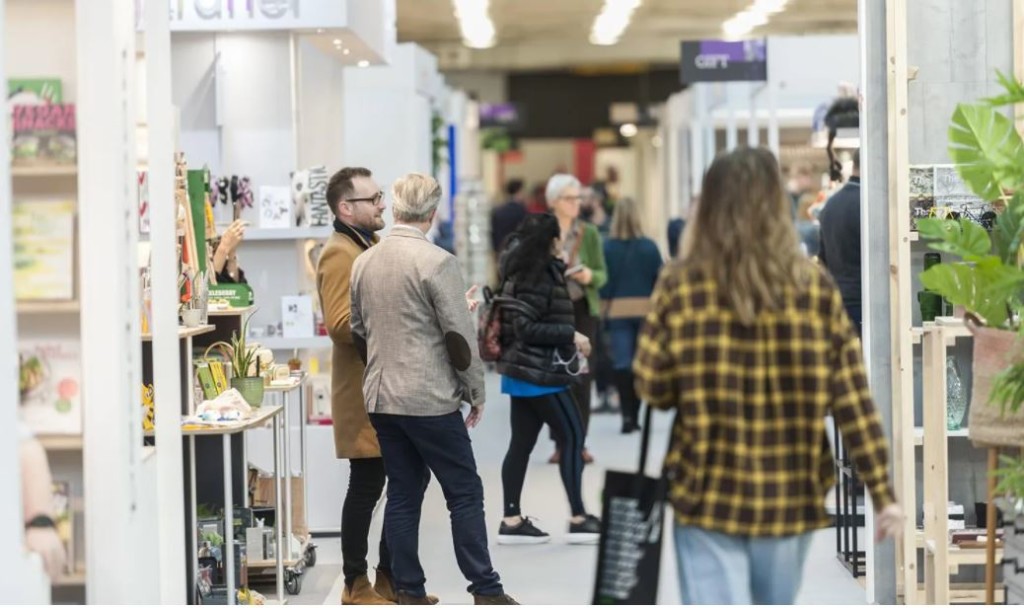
{"type": "Point", "coordinates": [528, 415]}
{"type": "Point", "coordinates": [365, 486]}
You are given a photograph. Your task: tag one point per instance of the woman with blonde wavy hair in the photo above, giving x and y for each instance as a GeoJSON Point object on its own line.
{"type": "Point", "coordinates": [749, 342]}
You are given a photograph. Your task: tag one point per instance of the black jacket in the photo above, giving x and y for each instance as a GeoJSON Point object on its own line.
{"type": "Point", "coordinates": [840, 240]}
{"type": "Point", "coordinates": [528, 344]}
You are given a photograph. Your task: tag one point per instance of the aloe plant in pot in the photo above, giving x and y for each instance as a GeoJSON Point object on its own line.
{"type": "Point", "coordinates": [988, 279]}
{"type": "Point", "coordinates": [245, 369]}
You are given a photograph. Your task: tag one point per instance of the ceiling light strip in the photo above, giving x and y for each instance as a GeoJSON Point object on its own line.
{"type": "Point", "coordinates": [754, 16]}
{"type": "Point", "coordinates": [612, 21]}
{"type": "Point", "coordinates": [475, 23]}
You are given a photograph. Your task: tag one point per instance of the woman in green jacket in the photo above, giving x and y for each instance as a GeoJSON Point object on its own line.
{"type": "Point", "coordinates": [586, 274]}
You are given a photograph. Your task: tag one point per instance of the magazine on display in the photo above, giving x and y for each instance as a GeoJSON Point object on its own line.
{"type": "Point", "coordinates": [44, 250]}
{"type": "Point", "coordinates": [49, 381]}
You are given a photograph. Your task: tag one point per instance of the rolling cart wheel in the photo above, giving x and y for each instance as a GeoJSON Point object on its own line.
{"type": "Point", "coordinates": [292, 583]}
{"type": "Point", "coordinates": [310, 557]}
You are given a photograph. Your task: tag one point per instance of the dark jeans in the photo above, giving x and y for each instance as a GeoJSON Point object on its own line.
{"type": "Point", "coordinates": [527, 416]}
{"type": "Point", "coordinates": [413, 447]}
{"type": "Point", "coordinates": [586, 324]}
{"type": "Point", "coordinates": [365, 486]}
{"type": "Point", "coordinates": [854, 309]}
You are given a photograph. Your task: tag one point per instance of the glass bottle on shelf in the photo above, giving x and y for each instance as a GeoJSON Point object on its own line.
{"type": "Point", "coordinates": [956, 396]}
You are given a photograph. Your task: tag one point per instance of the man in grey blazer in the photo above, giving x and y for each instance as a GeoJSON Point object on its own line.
{"type": "Point", "coordinates": [409, 313]}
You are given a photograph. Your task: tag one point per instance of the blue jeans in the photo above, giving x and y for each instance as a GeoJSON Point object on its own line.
{"type": "Point", "coordinates": [623, 336]}
{"type": "Point", "coordinates": [413, 447]}
{"type": "Point", "coordinates": [716, 568]}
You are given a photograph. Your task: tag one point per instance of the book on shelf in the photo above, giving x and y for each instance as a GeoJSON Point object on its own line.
{"type": "Point", "coordinates": [206, 381]}
{"type": "Point", "coordinates": [64, 517]}
{"type": "Point", "coordinates": [50, 379]}
{"type": "Point", "coordinates": [44, 250]}
{"type": "Point", "coordinates": [220, 379]}
{"type": "Point", "coordinates": [34, 91]}
{"type": "Point", "coordinates": [43, 135]}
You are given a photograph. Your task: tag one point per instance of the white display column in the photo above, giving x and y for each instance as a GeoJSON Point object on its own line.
{"type": "Point", "coordinates": [387, 114]}
{"type": "Point", "coordinates": [23, 581]}
{"type": "Point", "coordinates": [122, 513]}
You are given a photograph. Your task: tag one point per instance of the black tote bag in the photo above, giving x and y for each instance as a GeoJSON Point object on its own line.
{"type": "Point", "coordinates": [632, 519]}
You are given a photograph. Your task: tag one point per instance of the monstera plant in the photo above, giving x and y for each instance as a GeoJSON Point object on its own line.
{"type": "Point", "coordinates": [988, 279]}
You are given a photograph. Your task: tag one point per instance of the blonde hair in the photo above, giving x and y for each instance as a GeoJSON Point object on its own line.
{"type": "Point", "coordinates": [742, 235]}
{"type": "Point", "coordinates": [626, 222]}
{"type": "Point", "coordinates": [416, 198]}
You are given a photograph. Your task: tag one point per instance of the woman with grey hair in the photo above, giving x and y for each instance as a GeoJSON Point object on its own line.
{"type": "Point", "coordinates": [585, 275]}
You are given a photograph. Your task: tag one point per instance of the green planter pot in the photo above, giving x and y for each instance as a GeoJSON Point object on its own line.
{"type": "Point", "coordinates": [251, 389]}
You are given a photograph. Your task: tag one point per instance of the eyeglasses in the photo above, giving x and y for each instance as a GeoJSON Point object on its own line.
{"type": "Point", "coordinates": [578, 198]}
{"type": "Point", "coordinates": [375, 199]}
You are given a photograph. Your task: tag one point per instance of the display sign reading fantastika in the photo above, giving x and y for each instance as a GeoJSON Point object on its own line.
{"type": "Point", "coordinates": [722, 61]}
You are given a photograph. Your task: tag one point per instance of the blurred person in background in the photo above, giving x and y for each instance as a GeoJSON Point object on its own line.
{"type": "Point", "coordinates": [506, 218]}
{"type": "Point", "coordinates": [585, 273]}
{"type": "Point", "coordinates": [807, 225]}
{"type": "Point", "coordinates": [633, 265]}
{"type": "Point", "coordinates": [41, 535]}
{"type": "Point", "coordinates": [839, 251]}
{"type": "Point", "coordinates": [749, 342]}
{"type": "Point", "coordinates": [533, 374]}
{"type": "Point", "coordinates": [801, 181]}
{"type": "Point", "coordinates": [225, 253]}
{"type": "Point", "coordinates": [592, 210]}
{"type": "Point", "coordinates": [537, 203]}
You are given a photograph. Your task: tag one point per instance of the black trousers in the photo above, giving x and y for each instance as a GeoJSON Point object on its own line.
{"type": "Point", "coordinates": [413, 447]}
{"type": "Point", "coordinates": [586, 324]}
{"type": "Point", "coordinates": [365, 486]}
{"type": "Point", "coordinates": [527, 416]}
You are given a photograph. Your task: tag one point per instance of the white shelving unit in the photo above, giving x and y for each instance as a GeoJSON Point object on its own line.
{"type": "Point", "coordinates": [279, 343]}
{"type": "Point", "coordinates": [285, 234]}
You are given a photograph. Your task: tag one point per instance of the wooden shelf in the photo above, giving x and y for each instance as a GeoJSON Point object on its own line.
{"type": "Point", "coordinates": [60, 443]}
{"type": "Point", "coordinates": [260, 417]}
{"type": "Point", "coordinates": [230, 312]}
{"type": "Point", "coordinates": [44, 171]}
{"type": "Point", "coordinates": [279, 343]}
{"type": "Point", "coordinates": [185, 332]}
{"type": "Point", "coordinates": [41, 308]}
{"type": "Point", "coordinates": [75, 579]}
{"type": "Point", "coordinates": [919, 434]}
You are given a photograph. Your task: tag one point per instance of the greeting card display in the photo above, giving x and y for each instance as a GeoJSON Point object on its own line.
{"type": "Point", "coordinates": [43, 134]}
{"type": "Point", "coordinates": [297, 316]}
{"type": "Point", "coordinates": [44, 250]}
{"type": "Point", "coordinates": [275, 207]}
{"type": "Point", "coordinates": [50, 386]}
{"type": "Point", "coordinates": [34, 91]}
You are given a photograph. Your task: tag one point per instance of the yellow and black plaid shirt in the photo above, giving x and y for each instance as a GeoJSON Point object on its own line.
{"type": "Point", "coordinates": [749, 454]}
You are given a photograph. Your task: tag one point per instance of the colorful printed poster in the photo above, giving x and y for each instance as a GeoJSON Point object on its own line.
{"type": "Point", "coordinates": [43, 134]}
{"type": "Point", "coordinates": [50, 384]}
{"type": "Point", "coordinates": [44, 250]}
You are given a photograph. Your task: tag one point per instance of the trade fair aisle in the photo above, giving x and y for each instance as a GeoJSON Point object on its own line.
{"type": "Point", "coordinates": [555, 573]}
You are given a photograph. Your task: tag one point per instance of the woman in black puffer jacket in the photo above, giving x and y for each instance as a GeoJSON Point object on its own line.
{"type": "Point", "coordinates": [538, 363]}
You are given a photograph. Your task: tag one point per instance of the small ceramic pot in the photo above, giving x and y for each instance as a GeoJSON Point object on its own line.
{"type": "Point", "coordinates": [192, 317]}
{"type": "Point", "coordinates": [251, 389]}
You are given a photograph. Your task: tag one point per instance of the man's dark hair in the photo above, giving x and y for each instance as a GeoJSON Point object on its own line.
{"type": "Point", "coordinates": [514, 186]}
{"type": "Point", "coordinates": [340, 187]}
{"type": "Point", "coordinates": [844, 113]}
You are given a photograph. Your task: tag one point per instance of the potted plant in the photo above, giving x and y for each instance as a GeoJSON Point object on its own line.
{"type": "Point", "coordinates": [988, 280]}
{"type": "Point", "coordinates": [245, 368]}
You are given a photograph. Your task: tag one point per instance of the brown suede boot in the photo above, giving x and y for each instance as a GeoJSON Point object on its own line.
{"type": "Point", "coordinates": [386, 589]}
{"type": "Point", "coordinates": [494, 600]}
{"type": "Point", "coordinates": [406, 599]}
{"type": "Point", "coordinates": [362, 594]}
